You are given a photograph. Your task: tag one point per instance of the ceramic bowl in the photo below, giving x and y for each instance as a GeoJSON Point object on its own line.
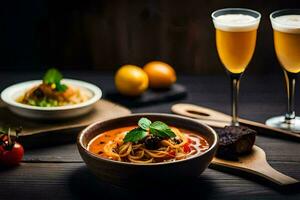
{"type": "Point", "coordinates": [124, 173]}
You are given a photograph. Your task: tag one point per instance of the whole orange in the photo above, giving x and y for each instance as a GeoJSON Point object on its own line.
{"type": "Point", "coordinates": [131, 80]}
{"type": "Point", "coordinates": [161, 75]}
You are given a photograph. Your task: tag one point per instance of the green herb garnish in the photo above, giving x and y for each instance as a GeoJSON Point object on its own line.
{"type": "Point", "coordinates": [156, 128]}
{"type": "Point", "coordinates": [135, 135]}
{"type": "Point", "coordinates": [53, 77]}
{"type": "Point", "coordinates": [144, 123]}
{"type": "Point", "coordinates": [161, 130]}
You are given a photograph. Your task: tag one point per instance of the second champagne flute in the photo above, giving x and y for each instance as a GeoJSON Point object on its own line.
{"type": "Point", "coordinates": [236, 30]}
{"type": "Point", "coordinates": [286, 28]}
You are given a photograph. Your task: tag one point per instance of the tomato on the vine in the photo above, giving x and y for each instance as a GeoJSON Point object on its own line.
{"type": "Point", "coordinates": [13, 156]}
{"type": "Point", "coordinates": [11, 152]}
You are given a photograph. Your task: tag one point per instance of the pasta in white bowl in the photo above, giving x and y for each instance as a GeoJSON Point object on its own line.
{"type": "Point", "coordinates": [81, 100]}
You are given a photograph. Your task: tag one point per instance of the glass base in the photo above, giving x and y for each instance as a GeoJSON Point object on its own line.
{"type": "Point", "coordinates": [279, 122]}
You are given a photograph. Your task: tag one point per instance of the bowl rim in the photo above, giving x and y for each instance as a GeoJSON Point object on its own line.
{"type": "Point", "coordinates": [6, 95]}
{"type": "Point", "coordinates": [214, 145]}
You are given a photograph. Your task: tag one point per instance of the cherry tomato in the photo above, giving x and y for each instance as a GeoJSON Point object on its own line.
{"type": "Point", "coordinates": [186, 148]}
{"type": "Point", "coordinates": [11, 157]}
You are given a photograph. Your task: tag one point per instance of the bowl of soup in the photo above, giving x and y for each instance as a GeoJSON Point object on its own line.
{"type": "Point", "coordinates": [147, 147]}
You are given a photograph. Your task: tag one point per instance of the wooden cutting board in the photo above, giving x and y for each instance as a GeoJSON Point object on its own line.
{"type": "Point", "coordinates": [218, 119]}
{"type": "Point", "coordinates": [41, 132]}
{"type": "Point", "coordinates": [253, 164]}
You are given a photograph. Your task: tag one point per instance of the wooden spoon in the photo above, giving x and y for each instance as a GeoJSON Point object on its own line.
{"type": "Point", "coordinates": [218, 119]}
{"type": "Point", "coordinates": [255, 163]}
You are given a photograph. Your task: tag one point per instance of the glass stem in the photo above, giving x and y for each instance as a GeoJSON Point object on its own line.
{"type": "Point", "coordinates": [290, 79]}
{"type": "Point", "coordinates": [235, 85]}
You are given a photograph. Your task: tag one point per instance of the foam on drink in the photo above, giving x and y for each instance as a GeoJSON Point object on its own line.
{"type": "Point", "coordinates": [236, 22]}
{"type": "Point", "coordinates": [287, 23]}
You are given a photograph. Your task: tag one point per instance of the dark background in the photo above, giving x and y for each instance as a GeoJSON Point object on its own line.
{"type": "Point", "coordinates": [104, 34]}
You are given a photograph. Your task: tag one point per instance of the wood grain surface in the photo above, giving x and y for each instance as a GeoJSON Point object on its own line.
{"type": "Point", "coordinates": [102, 110]}
{"type": "Point", "coordinates": [58, 172]}
{"type": "Point", "coordinates": [256, 164]}
{"type": "Point", "coordinates": [104, 34]}
{"type": "Point", "coordinates": [49, 132]}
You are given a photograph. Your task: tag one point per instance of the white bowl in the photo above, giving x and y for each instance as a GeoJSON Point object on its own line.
{"type": "Point", "coordinates": [10, 95]}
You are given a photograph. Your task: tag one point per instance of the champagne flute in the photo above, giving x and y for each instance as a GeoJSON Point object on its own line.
{"type": "Point", "coordinates": [236, 30]}
{"type": "Point", "coordinates": [286, 29]}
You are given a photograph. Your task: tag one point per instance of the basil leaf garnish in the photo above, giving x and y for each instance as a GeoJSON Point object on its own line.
{"type": "Point", "coordinates": [161, 129]}
{"type": "Point", "coordinates": [135, 135]}
{"type": "Point", "coordinates": [54, 77]}
{"type": "Point", "coordinates": [156, 128]}
{"type": "Point", "coordinates": [144, 123]}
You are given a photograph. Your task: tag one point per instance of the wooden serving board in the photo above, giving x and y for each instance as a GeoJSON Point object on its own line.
{"type": "Point", "coordinates": [256, 164]}
{"type": "Point", "coordinates": [40, 132]}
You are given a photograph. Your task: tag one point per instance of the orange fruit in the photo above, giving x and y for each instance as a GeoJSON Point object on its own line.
{"type": "Point", "coordinates": [161, 75]}
{"type": "Point", "coordinates": [131, 80]}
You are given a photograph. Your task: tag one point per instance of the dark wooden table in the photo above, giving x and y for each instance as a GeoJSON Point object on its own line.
{"type": "Point", "coordinates": [58, 172]}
